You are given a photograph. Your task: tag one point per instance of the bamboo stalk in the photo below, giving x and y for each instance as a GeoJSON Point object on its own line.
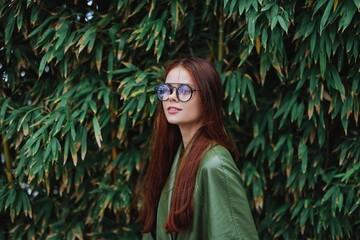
{"type": "Point", "coordinates": [7, 159]}
{"type": "Point", "coordinates": [114, 151]}
{"type": "Point", "coordinates": [221, 32]}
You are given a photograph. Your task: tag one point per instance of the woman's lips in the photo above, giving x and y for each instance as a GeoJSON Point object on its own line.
{"type": "Point", "coordinates": [173, 110]}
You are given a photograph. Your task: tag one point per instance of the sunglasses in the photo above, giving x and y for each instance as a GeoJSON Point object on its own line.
{"type": "Point", "coordinates": [183, 92]}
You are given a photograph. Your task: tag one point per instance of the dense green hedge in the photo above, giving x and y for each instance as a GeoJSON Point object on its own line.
{"type": "Point", "coordinates": [76, 98]}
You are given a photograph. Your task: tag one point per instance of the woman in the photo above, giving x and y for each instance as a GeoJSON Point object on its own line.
{"type": "Point", "coordinates": [192, 186]}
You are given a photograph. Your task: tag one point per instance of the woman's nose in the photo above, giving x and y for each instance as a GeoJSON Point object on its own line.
{"type": "Point", "coordinates": [173, 97]}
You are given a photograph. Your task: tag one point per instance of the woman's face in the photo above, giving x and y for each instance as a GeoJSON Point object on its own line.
{"type": "Point", "coordinates": [185, 114]}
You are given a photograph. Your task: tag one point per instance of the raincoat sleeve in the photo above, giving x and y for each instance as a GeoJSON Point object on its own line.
{"type": "Point", "coordinates": [225, 208]}
{"type": "Point", "coordinates": [147, 236]}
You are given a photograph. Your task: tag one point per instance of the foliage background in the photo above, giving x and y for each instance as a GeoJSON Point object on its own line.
{"type": "Point", "coordinates": [77, 103]}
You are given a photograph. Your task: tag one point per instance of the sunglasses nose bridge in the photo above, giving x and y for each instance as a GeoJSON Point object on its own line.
{"type": "Point", "coordinates": [173, 93]}
{"type": "Point", "coordinates": [172, 90]}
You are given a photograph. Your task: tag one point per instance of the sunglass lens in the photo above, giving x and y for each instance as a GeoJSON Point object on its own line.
{"type": "Point", "coordinates": [163, 92]}
{"type": "Point", "coordinates": [184, 92]}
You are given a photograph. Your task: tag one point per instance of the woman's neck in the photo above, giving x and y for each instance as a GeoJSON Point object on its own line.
{"type": "Point", "coordinates": [188, 133]}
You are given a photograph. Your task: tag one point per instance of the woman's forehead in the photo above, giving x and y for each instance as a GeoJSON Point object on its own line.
{"type": "Point", "coordinates": [179, 75]}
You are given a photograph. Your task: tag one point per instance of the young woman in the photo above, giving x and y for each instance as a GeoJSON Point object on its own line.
{"type": "Point", "coordinates": [192, 188]}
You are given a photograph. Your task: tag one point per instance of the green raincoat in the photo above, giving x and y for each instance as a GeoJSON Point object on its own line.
{"type": "Point", "coordinates": [221, 209]}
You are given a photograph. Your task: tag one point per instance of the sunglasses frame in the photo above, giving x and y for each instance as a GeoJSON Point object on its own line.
{"type": "Point", "coordinates": [176, 90]}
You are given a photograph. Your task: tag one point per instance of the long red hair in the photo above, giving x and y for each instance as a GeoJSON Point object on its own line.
{"type": "Point", "coordinates": [165, 141]}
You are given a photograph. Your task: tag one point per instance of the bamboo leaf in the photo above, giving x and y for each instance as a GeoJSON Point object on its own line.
{"type": "Point", "coordinates": [98, 58]}
{"type": "Point", "coordinates": [323, 63]}
{"type": "Point", "coordinates": [43, 63]}
{"type": "Point", "coordinates": [251, 25]}
{"type": "Point", "coordinates": [274, 21]}
{"type": "Point", "coordinates": [174, 15]}
{"type": "Point", "coordinates": [19, 19]}
{"type": "Point", "coordinates": [73, 152]}
{"type": "Point", "coordinates": [62, 34]}
{"type": "Point", "coordinates": [92, 105]}
{"type": "Point", "coordinates": [282, 23]}
{"type": "Point", "coordinates": [83, 143]}
{"type": "Point", "coordinates": [250, 89]}
{"type": "Point", "coordinates": [9, 28]}
{"type": "Point", "coordinates": [110, 65]}
{"type": "Point", "coordinates": [40, 27]}
{"type": "Point", "coordinates": [326, 15]}
{"type": "Point", "coordinates": [59, 124]}
{"type": "Point", "coordinates": [87, 39]}
{"type": "Point", "coordinates": [97, 131]}
{"type": "Point", "coordinates": [141, 102]}
{"type": "Point", "coordinates": [34, 14]}
{"type": "Point", "coordinates": [66, 148]}
{"type": "Point", "coordinates": [328, 194]}
{"type": "Point", "coordinates": [357, 3]}
{"type": "Point", "coordinates": [280, 142]}
{"type": "Point", "coordinates": [303, 156]}
{"type": "Point", "coordinates": [237, 107]}
{"type": "Point", "coordinates": [122, 126]}
{"type": "Point", "coordinates": [337, 82]}
{"type": "Point", "coordinates": [3, 110]}
{"type": "Point", "coordinates": [138, 8]}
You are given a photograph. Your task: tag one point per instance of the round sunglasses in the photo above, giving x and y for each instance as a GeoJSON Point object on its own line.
{"type": "Point", "coordinates": [183, 92]}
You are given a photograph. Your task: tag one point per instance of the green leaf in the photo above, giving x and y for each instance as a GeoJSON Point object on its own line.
{"type": "Point", "coordinates": [83, 143]}
{"type": "Point", "coordinates": [318, 5]}
{"type": "Point", "coordinates": [10, 198]}
{"type": "Point", "coordinates": [139, 7]}
{"type": "Point", "coordinates": [87, 39]}
{"type": "Point", "coordinates": [251, 25]}
{"type": "Point", "coordinates": [9, 28]}
{"type": "Point", "coordinates": [303, 156]}
{"type": "Point", "coordinates": [349, 200]}
{"type": "Point", "coordinates": [43, 63]}
{"type": "Point", "coordinates": [160, 49]}
{"type": "Point", "coordinates": [98, 55]}
{"type": "Point", "coordinates": [237, 107]}
{"type": "Point", "coordinates": [122, 126]}
{"type": "Point", "coordinates": [47, 151]}
{"type": "Point", "coordinates": [325, 15]}
{"type": "Point", "coordinates": [4, 106]}
{"type": "Point", "coordinates": [39, 28]}
{"type": "Point", "coordinates": [298, 207]}
{"type": "Point", "coordinates": [274, 21]}
{"type": "Point", "coordinates": [92, 105]}
{"type": "Point", "coordinates": [62, 34]}
{"type": "Point", "coordinates": [348, 17]}
{"type": "Point", "coordinates": [34, 14]}
{"type": "Point", "coordinates": [19, 19]}
{"type": "Point", "coordinates": [110, 65]}
{"type": "Point", "coordinates": [66, 148]}
{"type": "Point", "coordinates": [141, 102]}
{"type": "Point", "coordinates": [337, 81]}
{"type": "Point", "coordinates": [280, 142]}
{"type": "Point", "coordinates": [357, 3]}
{"type": "Point", "coordinates": [174, 14]}
{"type": "Point", "coordinates": [59, 124]}
{"type": "Point", "coordinates": [250, 89]}
{"type": "Point", "coordinates": [323, 63]}
{"type": "Point", "coordinates": [73, 152]}
{"type": "Point", "coordinates": [97, 131]}
{"type": "Point", "coordinates": [282, 23]}
{"type": "Point", "coordinates": [328, 194]}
